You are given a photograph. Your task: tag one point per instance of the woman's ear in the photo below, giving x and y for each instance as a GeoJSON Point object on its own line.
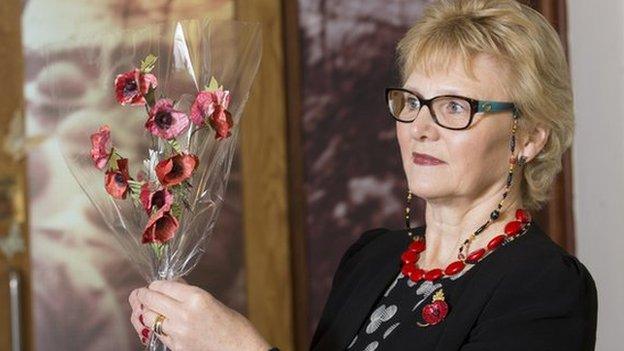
{"type": "Point", "coordinates": [534, 141]}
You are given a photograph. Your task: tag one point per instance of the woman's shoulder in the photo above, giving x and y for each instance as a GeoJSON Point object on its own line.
{"type": "Point", "coordinates": [373, 247]}
{"type": "Point", "coordinates": [538, 257]}
{"type": "Point", "coordinates": [538, 286]}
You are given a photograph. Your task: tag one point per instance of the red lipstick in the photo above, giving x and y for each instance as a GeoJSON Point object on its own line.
{"type": "Point", "coordinates": [425, 160]}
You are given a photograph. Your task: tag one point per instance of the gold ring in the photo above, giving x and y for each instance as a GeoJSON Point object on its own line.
{"type": "Point", "coordinates": [158, 325]}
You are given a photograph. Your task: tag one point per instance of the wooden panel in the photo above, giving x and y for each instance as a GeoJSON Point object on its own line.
{"type": "Point", "coordinates": [297, 199]}
{"type": "Point", "coordinates": [12, 170]}
{"type": "Point", "coordinates": [265, 183]}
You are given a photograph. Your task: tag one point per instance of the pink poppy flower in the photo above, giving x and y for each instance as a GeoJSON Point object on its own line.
{"type": "Point", "coordinates": [100, 149]}
{"type": "Point", "coordinates": [162, 199]}
{"type": "Point", "coordinates": [211, 107]}
{"type": "Point", "coordinates": [160, 228]}
{"type": "Point", "coordinates": [132, 86]}
{"type": "Point", "coordinates": [116, 181]}
{"type": "Point", "coordinates": [164, 121]}
{"type": "Point", "coordinates": [176, 169]}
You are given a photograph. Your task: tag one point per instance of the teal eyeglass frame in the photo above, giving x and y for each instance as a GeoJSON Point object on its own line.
{"type": "Point", "coordinates": [476, 106]}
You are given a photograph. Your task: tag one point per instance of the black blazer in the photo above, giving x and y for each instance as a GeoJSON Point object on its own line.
{"type": "Point", "coordinates": [529, 294]}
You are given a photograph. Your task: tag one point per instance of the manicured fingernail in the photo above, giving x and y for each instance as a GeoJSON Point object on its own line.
{"type": "Point", "coordinates": [141, 320]}
{"type": "Point", "coordinates": [145, 332]}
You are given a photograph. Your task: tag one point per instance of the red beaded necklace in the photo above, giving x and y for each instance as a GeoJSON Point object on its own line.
{"type": "Point", "coordinates": [434, 312]}
{"type": "Point", "coordinates": [411, 255]}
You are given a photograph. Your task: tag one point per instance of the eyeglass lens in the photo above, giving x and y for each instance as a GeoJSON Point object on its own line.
{"type": "Point", "coordinates": [451, 112]}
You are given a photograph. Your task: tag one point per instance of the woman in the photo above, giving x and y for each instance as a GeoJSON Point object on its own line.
{"type": "Point", "coordinates": [483, 117]}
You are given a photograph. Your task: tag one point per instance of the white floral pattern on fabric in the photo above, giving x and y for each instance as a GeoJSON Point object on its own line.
{"type": "Point", "coordinates": [381, 314]}
{"type": "Point", "coordinates": [352, 342]}
{"type": "Point", "coordinates": [394, 283]}
{"type": "Point", "coordinates": [390, 329]}
{"type": "Point", "coordinates": [426, 289]}
{"type": "Point", "coordinates": [372, 346]}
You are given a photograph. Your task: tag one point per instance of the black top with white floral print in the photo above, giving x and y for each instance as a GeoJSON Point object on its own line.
{"type": "Point", "coordinates": [393, 321]}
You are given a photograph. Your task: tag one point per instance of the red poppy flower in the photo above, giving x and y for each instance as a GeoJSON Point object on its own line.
{"type": "Point", "coordinates": [436, 311]}
{"type": "Point", "coordinates": [132, 86]}
{"type": "Point", "coordinates": [176, 169]}
{"type": "Point", "coordinates": [100, 149]}
{"type": "Point", "coordinates": [164, 121]}
{"type": "Point", "coordinates": [116, 181]}
{"type": "Point", "coordinates": [160, 228]}
{"type": "Point", "coordinates": [161, 199]}
{"type": "Point", "coordinates": [211, 106]}
{"type": "Point", "coordinates": [222, 124]}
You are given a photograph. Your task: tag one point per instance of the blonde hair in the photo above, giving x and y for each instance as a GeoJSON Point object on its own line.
{"type": "Point", "coordinates": [521, 39]}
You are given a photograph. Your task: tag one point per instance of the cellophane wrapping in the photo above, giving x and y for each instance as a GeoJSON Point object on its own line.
{"type": "Point", "coordinates": [190, 54]}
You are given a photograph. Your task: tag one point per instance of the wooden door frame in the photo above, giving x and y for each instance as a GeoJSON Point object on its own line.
{"type": "Point", "coordinates": [264, 164]}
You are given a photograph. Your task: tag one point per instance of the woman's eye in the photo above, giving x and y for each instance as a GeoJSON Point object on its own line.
{"type": "Point", "coordinates": [455, 107]}
{"type": "Point", "coordinates": [413, 103]}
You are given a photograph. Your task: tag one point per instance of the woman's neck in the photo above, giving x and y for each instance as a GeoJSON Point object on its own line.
{"type": "Point", "coordinates": [450, 224]}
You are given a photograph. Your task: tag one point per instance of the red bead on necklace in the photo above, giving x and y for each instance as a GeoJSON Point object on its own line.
{"type": "Point", "coordinates": [410, 257]}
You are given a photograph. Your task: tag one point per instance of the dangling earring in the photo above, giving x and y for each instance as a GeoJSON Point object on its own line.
{"type": "Point", "coordinates": [407, 213]}
{"type": "Point", "coordinates": [521, 161]}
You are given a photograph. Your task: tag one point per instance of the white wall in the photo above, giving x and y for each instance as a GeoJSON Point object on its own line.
{"type": "Point", "coordinates": [596, 38]}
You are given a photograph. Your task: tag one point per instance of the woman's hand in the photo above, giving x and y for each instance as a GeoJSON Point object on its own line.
{"type": "Point", "coordinates": [195, 320]}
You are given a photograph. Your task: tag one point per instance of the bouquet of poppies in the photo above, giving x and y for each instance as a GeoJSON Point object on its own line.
{"type": "Point", "coordinates": [163, 128]}
{"type": "Point", "coordinates": [163, 187]}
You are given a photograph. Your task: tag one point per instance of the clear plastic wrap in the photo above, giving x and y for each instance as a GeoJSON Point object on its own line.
{"type": "Point", "coordinates": [189, 54]}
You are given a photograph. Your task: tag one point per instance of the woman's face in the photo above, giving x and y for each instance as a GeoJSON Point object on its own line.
{"type": "Point", "coordinates": [475, 160]}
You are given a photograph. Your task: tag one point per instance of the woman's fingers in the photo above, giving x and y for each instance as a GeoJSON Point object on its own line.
{"type": "Point", "coordinates": [176, 290]}
{"type": "Point", "coordinates": [157, 301]}
{"type": "Point", "coordinates": [136, 318]}
{"type": "Point", "coordinates": [149, 317]}
{"type": "Point", "coordinates": [133, 300]}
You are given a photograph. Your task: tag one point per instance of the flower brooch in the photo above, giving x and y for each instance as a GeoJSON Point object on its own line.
{"type": "Point", "coordinates": [436, 311]}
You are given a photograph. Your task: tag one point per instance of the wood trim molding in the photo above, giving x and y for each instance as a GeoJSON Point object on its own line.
{"type": "Point", "coordinates": [13, 172]}
{"type": "Point", "coordinates": [265, 183]}
{"type": "Point", "coordinates": [296, 155]}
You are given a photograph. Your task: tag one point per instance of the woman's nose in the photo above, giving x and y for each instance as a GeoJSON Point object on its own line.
{"type": "Point", "coordinates": [423, 127]}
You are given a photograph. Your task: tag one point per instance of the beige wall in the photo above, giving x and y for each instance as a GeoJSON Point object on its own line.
{"type": "Point", "coordinates": [596, 38]}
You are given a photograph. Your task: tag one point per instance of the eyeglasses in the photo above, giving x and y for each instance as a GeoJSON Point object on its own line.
{"type": "Point", "coordinates": [448, 111]}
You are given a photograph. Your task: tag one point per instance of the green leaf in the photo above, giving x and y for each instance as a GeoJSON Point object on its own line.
{"type": "Point", "coordinates": [158, 249]}
{"type": "Point", "coordinates": [135, 191]}
{"type": "Point", "coordinates": [174, 145]}
{"type": "Point", "coordinates": [213, 86]}
{"type": "Point", "coordinates": [136, 198]}
{"type": "Point", "coordinates": [176, 210]}
{"type": "Point", "coordinates": [135, 186]}
{"type": "Point", "coordinates": [150, 98]}
{"type": "Point", "coordinates": [148, 64]}
{"type": "Point", "coordinates": [112, 159]}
